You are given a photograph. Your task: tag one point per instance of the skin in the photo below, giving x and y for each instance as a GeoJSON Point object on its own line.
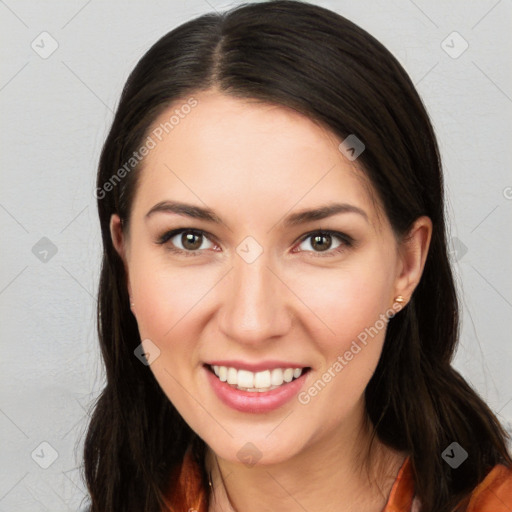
{"type": "Point", "coordinates": [254, 164]}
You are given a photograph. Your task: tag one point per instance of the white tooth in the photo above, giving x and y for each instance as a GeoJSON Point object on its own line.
{"type": "Point", "coordinates": [262, 379]}
{"type": "Point", "coordinates": [232, 376]}
{"type": "Point", "coordinates": [288, 375]}
{"type": "Point", "coordinates": [245, 379]}
{"type": "Point", "coordinates": [276, 377]}
{"type": "Point", "coordinates": [252, 390]}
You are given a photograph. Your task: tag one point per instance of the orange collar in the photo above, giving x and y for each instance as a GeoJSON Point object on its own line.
{"type": "Point", "coordinates": [186, 491]}
{"type": "Point", "coordinates": [401, 498]}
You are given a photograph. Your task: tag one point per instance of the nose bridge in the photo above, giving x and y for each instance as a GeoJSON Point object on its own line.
{"type": "Point", "coordinates": [254, 305]}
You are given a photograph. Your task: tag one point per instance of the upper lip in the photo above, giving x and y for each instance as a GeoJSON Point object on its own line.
{"type": "Point", "coordinates": [255, 367]}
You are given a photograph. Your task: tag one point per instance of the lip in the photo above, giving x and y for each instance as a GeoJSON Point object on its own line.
{"type": "Point", "coordinates": [255, 401]}
{"type": "Point", "coordinates": [255, 367]}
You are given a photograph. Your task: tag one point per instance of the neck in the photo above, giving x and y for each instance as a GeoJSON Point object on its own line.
{"type": "Point", "coordinates": [330, 475]}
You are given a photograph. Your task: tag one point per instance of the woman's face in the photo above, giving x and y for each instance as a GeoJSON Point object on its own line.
{"type": "Point", "coordinates": [259, 291]}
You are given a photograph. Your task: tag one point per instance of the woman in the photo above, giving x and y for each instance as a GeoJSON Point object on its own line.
{"type": "Point", "coordinates": [277, 312]}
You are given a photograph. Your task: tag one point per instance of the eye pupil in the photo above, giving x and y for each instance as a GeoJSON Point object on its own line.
{"type": "Point", "coordinates": [320, 246]}
{"type": "Point", "coordinates": [187, 237]}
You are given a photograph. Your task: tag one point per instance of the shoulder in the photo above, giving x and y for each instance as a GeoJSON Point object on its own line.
{"type": "Point", "coordinates": [494, 493]}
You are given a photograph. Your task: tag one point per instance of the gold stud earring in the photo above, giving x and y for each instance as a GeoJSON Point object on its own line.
{"type": "Point", "coordinates": [399, 299]}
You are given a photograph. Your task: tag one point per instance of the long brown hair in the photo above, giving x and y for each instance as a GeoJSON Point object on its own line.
{"type": "Point", "coordinates": [320, 64]}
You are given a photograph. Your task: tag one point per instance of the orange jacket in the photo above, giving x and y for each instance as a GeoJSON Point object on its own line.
{"type": "Point", "coordinates": [493, 494]}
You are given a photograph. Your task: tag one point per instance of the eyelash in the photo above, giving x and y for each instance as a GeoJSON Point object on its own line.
{"type": "Point", "coordinates": [346, 240]}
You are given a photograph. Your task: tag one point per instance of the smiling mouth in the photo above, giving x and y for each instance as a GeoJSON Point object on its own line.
{"type": "Point", "coordinates": [267, 380]}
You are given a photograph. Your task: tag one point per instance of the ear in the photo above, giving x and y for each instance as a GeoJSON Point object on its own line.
{"type": "Point", "coordinates": [119, 243]}
{"type": "Point", "coordinates": [413, 254]}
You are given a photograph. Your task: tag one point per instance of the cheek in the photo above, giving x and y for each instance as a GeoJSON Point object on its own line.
{"type": "Point", "coordinates": [168, 311]}
{"type": "Point", "coordinates": [346, 300]}
{"type": "Point", "coordinates": [350, 306]}
{"type": "Point", "coordinates": [168, 297]}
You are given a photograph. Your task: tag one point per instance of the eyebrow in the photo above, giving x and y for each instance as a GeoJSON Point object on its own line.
{"type": "Point", "coordinates": [294, 219]}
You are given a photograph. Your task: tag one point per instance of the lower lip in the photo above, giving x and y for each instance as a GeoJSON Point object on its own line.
{"type": "Point", "coordinates": [255, 401]}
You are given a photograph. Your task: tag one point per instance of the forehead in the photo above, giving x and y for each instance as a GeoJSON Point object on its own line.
{"type": "Point", "coordinates": [231, 152]}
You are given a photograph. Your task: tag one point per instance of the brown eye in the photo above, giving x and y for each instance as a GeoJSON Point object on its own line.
{"type": "Point", "coordinates": [191, 241]}
{"type": "Point", "coordinates": [188, 241]}
{"type": "Point", "coordinates": [322, 241]}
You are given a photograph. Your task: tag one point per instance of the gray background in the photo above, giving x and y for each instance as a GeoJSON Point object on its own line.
{"type": "Point", "coordinates": [55, 114]}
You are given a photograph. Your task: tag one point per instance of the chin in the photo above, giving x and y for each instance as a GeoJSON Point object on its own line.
{"type": "Point", "coordinates": [257, 449]}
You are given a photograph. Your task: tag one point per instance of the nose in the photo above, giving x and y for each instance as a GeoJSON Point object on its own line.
{"type": "Point", "coordinates": [255, 303]}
